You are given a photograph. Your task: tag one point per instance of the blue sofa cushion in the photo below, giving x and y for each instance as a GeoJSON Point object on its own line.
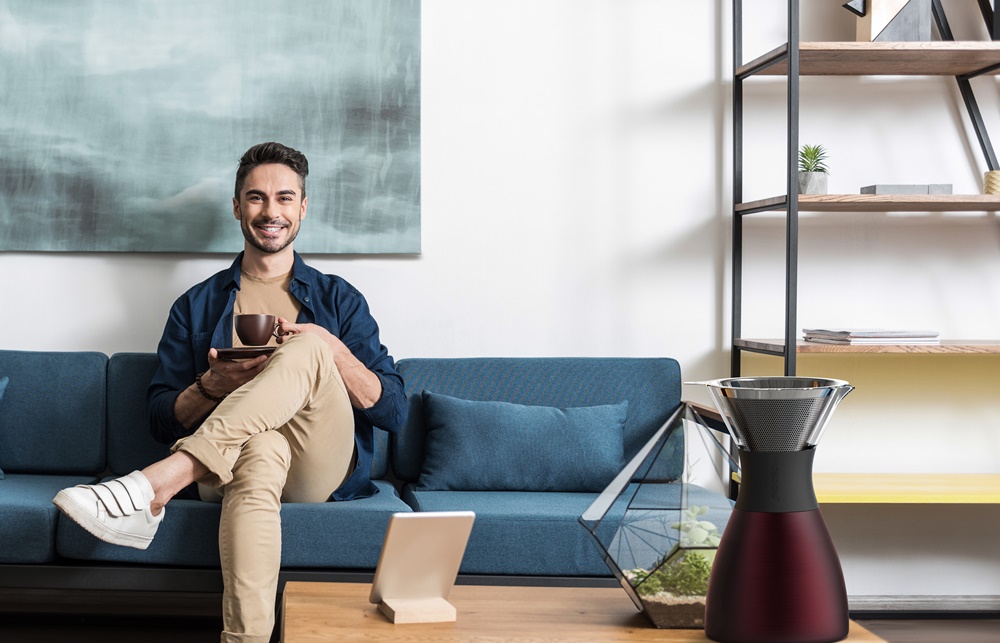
{"type": "Point", "coordinates": [131, 446]}
{"type": "Point", "coordinates": [534, 533]}
{"type": "Point", "coordinates": [652, 387]}
{"type": "Point", "coordinates": [329, 534]}
{"type": "Point", "coordinates": [500, 446]}
{"type": "Point", "coordinates": [28, 517]}
{"type": "Point", "coordinates": [52, 420]}
{"type": "Point", "coordinates": [339, 534]}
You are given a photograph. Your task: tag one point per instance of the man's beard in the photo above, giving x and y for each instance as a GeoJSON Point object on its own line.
{"type": "Point", "coordinates": [268, 245]}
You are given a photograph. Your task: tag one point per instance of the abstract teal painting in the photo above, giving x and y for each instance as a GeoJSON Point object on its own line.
{"type": "Point", "coordinates": [122, 121]}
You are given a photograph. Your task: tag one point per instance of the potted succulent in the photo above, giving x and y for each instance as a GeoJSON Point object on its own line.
{"type": "Point", "coordinates": [812, 169]}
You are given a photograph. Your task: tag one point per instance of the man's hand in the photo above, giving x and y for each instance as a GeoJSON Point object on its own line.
{"type": "Point", "coordinates": [225, 376]}
{"type": "Point", "coordinates": [222, 378]}
{"type": "Point", "coordinates": [363, 387]}
{"type": "Point", "coordinates": [288, 329]}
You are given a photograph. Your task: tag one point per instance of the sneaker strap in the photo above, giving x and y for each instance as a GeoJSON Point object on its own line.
{"type": "Point", "coordinates": [111, 502]}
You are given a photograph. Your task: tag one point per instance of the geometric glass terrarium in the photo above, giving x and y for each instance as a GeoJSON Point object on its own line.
{"type": "Point", "coordinates": [658, 524]}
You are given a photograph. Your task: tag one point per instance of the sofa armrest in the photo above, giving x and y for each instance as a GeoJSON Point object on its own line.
{"type": "Point", "coordinates": [713, 419]}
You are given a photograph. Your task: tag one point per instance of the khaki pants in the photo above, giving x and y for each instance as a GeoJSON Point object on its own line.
{"type": "Point", "coordinates": [285, 436]}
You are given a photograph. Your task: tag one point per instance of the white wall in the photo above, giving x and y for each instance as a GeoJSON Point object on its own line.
{"type": "Point", "coordinates": [576, 186]}
{"type": "Point", "coordinates": [571, 201]}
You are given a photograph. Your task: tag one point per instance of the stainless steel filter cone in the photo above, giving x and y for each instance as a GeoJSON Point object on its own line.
{"type": "Point", "coordinates": [777, 413]}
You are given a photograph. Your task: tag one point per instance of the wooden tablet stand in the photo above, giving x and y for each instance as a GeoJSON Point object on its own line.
{"type": "Point", "coordinates": [418, 610]}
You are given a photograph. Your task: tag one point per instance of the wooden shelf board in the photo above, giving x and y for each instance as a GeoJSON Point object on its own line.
{"type": "Point", "coordinates": [907, 488]}
{"type": "Point", "coordinates": [946, 347]}
{"type": "Point", "coordinates": [935, 58]}
{"type": "Point", "coordinates": [881, 203]}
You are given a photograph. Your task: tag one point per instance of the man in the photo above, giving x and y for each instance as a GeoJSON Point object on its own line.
{"type": "Point", "coordinates": [292, 426]}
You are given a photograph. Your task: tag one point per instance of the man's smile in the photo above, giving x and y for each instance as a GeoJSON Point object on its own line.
{"type": "Point", "coordinates": [270, 228]}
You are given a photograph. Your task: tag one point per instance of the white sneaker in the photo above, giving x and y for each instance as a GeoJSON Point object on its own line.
{"type": "Point", "coordinates": [116, 511]}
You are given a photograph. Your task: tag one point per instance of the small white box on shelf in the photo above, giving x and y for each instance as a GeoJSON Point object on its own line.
{"type": "Point", "coordinates": [917, 188]}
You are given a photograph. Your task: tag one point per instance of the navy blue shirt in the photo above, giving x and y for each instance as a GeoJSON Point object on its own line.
{"type": "Point", "coordinates": [202, 318]}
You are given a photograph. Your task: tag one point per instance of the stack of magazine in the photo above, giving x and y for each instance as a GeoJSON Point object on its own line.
{"type": "Point", "coordinates": [855, 336]}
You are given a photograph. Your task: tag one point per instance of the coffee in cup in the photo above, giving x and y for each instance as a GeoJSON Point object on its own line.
{"type": "Point", "coordinates": [256, 329]}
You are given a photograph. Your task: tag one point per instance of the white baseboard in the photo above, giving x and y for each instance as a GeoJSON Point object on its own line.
{"type": "Point", "coordinates": [943, 603]}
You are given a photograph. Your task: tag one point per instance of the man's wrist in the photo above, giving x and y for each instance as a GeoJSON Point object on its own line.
{"type": "Point", "coordinates": [205, 393]}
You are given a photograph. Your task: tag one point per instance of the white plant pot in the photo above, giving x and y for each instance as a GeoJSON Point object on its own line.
{"type": "Point", "coordinates": [812, 182]}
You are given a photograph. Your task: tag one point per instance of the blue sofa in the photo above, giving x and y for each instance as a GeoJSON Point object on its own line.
{"type": "Point", "coordinates": [75, 417]}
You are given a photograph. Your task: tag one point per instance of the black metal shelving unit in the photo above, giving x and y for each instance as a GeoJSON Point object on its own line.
{"type": "Point", "coordinates": [789, 56]}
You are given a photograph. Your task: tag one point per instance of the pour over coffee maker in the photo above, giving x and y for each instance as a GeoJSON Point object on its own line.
{"type": "Point", "coordinates": [776, 577]}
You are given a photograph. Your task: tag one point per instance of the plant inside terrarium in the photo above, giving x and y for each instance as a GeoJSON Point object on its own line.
{"type": "Point", "coordinates": [697, 533]}
{"type": "Point", "coordinates": [685, 569]}
{"type": "Point", "coordinates": [687, 576]}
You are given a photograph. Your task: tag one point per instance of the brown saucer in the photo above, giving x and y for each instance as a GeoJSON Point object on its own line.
{"type": "Point", "coordinates": [245, 352]}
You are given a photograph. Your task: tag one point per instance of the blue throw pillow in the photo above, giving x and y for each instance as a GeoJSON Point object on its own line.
{"type": "Point", "coordinates": [3, 387]}
{"type": "Point", "coordinates": [499, 446]}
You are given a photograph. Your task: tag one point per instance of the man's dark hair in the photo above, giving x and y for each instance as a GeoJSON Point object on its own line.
{"type": "Point", "coordinates": [264, 153]}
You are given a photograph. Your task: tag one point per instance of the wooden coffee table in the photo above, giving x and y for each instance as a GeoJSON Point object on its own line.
{"type": "Point", "coordinates": [341, 612]}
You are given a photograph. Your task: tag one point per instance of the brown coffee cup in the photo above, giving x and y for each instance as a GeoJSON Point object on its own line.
{"type": "Point", "coordinates": [256, 329]}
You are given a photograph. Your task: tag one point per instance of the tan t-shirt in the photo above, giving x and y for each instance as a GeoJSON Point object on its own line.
{"type": "Point", "coordinates": [268, 296]}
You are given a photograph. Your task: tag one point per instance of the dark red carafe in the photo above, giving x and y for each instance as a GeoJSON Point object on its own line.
{"type": "Point", "coordinates": [776, 577]}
